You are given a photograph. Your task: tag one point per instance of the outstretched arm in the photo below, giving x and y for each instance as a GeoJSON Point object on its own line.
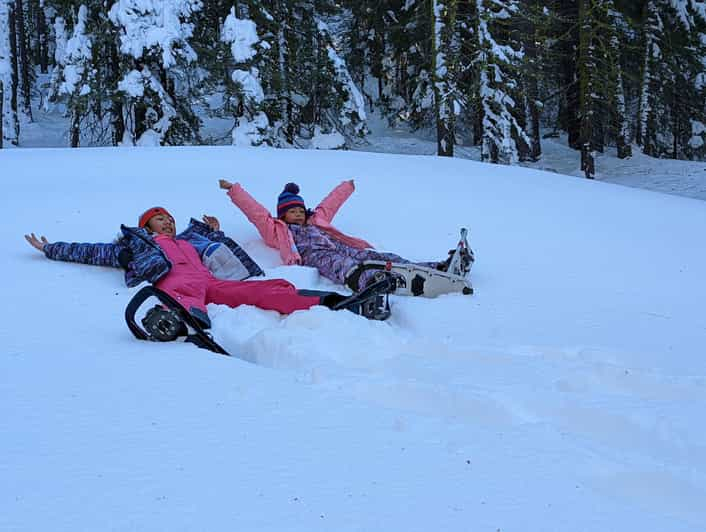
{"type": "Point", "coordinates": [261, 218]}
{"type": "Point", "coordinates": [113, 255]}
{"type": "Point", "coordinates": [258, 215]}
{"type": "Point", "coordinates": [329, 206]}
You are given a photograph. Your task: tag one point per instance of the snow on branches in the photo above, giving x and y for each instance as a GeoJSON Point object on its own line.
{"type": "Point", "coordinates": [162, 25]}
{"type": "Point", "coordinates": [497, 61]}
{"type": "Point", "coordinates": [252, 127]}
{"type": "Point", "coordinates": [155, 34]}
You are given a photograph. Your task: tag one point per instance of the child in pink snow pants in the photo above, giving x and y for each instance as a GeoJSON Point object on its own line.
{"type": "Point", "coordinates": [174, 263]}
{"type": "Point", "coordinates": [193, 285]}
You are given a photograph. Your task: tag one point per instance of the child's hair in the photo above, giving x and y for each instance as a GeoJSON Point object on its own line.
{"type": "Point", "coordinates": [288, 199]}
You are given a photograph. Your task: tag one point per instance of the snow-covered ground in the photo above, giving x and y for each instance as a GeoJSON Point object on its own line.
{"type": "Point", "coordinates": [683, 178]}
{"type": "Point", "coordinates": [567, 394]}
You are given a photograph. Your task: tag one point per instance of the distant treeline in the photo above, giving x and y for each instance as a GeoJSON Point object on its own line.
{"type": "Point", "coordinates": [491, 73]}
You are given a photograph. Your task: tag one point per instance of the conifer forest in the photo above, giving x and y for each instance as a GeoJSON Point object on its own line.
{"type": "Point", "coordinates": [498, 74]}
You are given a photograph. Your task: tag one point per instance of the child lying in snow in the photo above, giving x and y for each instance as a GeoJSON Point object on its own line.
{"type": "Point", "coordinates": [187, 266]}
{"type": "Point", "coordinates": [307, 237]}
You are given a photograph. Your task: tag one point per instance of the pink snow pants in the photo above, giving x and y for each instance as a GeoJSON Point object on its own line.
{"type": "Point", "coordinates": [192, 285]}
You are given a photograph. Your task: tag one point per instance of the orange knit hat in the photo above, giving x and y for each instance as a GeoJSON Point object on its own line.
{"type": "Point", "coordinates": [146, 216]}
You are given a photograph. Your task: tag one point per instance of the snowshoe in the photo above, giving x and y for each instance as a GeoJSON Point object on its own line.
{"type": "Point", "coordinates": [372, 302]}
{"type": "Point", "coordinates": [167, 322]}
{"type": "Point", "coordinates": [461, 258]}
{"type": "Point", "coordinates": [163, 324]}
{"type": "Point", "coordinates": [448, 277]}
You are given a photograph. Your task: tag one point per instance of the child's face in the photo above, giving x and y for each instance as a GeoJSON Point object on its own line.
{"type": "Point", "coordinates": [162, 225]}
{"type": "Point", "coordinates": [295, 215]}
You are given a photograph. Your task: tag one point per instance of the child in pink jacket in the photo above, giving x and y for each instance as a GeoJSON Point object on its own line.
{"type": "Point", "coordinates": [154, 252]}
{"type": "Point", "coordinates": [307, 237]}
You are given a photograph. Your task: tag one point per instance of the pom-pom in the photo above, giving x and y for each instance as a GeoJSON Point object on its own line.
{"type": "Point", "coordinates": [292, 188]}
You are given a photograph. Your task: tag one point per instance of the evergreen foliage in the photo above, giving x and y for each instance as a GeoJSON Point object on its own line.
{"type": "Point", "coordinates": [306, 73]}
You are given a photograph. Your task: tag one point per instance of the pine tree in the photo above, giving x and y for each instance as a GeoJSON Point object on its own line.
{"type": "Point", "coordinates": [567, 32]}
{"type": "Point", "coordinates": [619, 124]}
{"type": "Point", "coordinates": [670, 116]}
{"type": "Point", "coordinates": [252, 127]}
{"type": "Point", "coordinates": [154, 41]}
{"type": "Point", "coordinates": [8, 74]}
{"type": "Point", "coordinates": [497, 60]}
{"type": "Point", "coordinates": [537, 68]}
{"type": "Point", "coordinates": [443, 72]}
{"type": "Point", "coordinates": [25, 68]}
{"type": "Point", "coordinates": [74, 74]}
{"type": "Point", "coordinates": [310, 97]}
{"type": "Point", "coordinates": [4, 63]}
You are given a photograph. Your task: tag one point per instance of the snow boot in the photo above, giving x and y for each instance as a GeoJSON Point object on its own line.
{"type": "Point", "coordinates": [372, 302]}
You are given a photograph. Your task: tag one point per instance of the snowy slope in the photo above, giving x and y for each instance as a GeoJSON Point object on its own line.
{"type": "Point", "coordinates": [567, 394]}
{"type": "Point", "coordinates": [682, 178]}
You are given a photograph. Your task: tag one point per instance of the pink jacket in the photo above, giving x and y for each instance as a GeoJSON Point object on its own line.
{"type": "Point", "coordinates": [275, 232]}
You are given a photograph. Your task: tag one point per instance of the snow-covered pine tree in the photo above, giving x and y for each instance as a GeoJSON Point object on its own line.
{"type": "Point", "coordinates": [8, 74]}
{"type": "Point", "coordinates": [92, 52]}
{"type": "Point", "coordinates": [4, 62]}
{"type": "Point", "coordinates": [154, 40]}
{"type": "Point", "coordinates": [39, 34]}
{"type": "Point", "coordinates": [24, 66]}
{"type": "Point", "coordinates": [344, 112]}
{"type": "Point", "coordinates": [444, 57]}
{"type": "Point", "coordinates": [687, 61]}
{"type": "Point", "coordinates": [537, 67]}
{"type": "Point", "coordinates": [309, 95]}
{"type": "Point", "coordinates": [591, 130]}
{"type": "Point", "coordinates": [565, 31]}
{"type": "Point", "coordinates": [389, 45]}
{"type": "Point", "coordinates": [615, 89]}
{"type": "Point", "coordinates": [409, 54]}
{"type": "Point", "coordinates": [374, 38]}
{"type": "Point", "coordinates": [252, 126]}
{"type": "Point", "coordinates": [671, 105]}
{"type": "Point", "coordinates": [498, 56]}
{"type": "Point", "coordinates": [73, 75]}
{"type": "Point", "coordinates": [310, 77]}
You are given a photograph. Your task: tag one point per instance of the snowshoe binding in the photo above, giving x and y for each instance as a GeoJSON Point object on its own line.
{"type": "Point", "coordinates": [460, 259]}
{"type": "Point", "coordinates": [372, 302]}
{"type": "Point", "coordinates": [167, 321]}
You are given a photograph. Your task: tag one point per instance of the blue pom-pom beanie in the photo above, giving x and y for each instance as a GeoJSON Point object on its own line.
{"type": "Point", "coordinates": [288, 199]}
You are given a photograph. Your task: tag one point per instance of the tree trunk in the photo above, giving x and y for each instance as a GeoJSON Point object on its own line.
{"type": "Point", "coordinates": [531, 83]}
{"type": "Point", "coordinates": [33, 39]}
{"type": "Point", "coordinates": [285, 103]}
{"type": "Point", "coordinates": [43, 38]}
{"type": "Point", "coordinates": [590, 120]}
{"type": "Point", "coordinates": [117, 121]}
{"type": "Point", "coordinates": [569, 117]}
{"type": "Point", "coordinates": [2, 102]}
{"type": "Point", "coordinates": [75, 130]}
{"type": "Point", "coordinates": [23, 59]}
{"type": "Point", "coordinates": [443, 14]}
{"type": "Point", "coordinates": [14, 119]}
{"type": "Point", "coordinates": [646, 135]}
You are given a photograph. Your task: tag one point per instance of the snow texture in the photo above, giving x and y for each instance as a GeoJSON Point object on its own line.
{"type": "Point", "coordinates": [160, 24]}
{"type": "Point", "coordinates": [327, 141]}
{"type": "Point", "coordinates": [249, 133]}
{"type": "Point", "coordinates": [566, 394]}
{"type": "Point", "coordinates": [241, 34]}
{"type": "Point", "coordinates": [250, 84]}
{"type": "Point", "coordinates": [75, 58]}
